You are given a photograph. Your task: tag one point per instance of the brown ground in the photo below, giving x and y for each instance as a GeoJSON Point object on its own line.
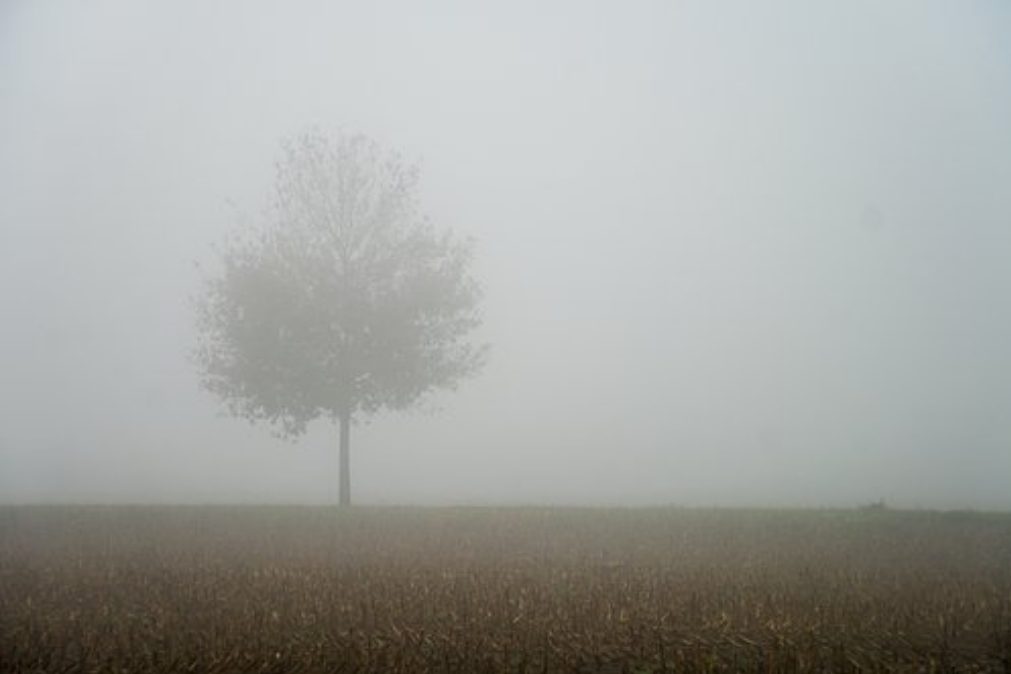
{"type": "Point", "coordinates": [274, 589]}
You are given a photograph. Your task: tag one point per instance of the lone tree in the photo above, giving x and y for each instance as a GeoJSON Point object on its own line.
{"type": "Point", "coordinates": [343, 302]}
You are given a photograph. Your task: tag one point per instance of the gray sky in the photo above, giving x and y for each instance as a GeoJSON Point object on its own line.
{"type": "Point", "coordinates": [734, 253]}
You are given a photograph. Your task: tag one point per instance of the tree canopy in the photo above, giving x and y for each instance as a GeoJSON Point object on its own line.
{"type": "Point", "coordinates": [344, 301]}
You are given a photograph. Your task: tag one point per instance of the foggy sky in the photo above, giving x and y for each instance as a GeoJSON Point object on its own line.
{"type": "Point", "coordinates": [733, 253]}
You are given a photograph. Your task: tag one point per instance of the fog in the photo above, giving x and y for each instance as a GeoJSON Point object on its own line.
{"type": "Point", "coordinates": [732, 253]}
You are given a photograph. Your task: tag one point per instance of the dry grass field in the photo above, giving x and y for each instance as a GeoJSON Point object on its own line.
{"type": "Point", "coordinates": [288, 589]}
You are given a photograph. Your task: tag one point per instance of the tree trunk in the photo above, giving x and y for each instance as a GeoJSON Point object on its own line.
{"type": "Point", "coordinates": [344, 497]}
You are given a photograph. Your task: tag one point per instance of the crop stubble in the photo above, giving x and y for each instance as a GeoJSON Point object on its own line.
{"type": "Point", "coordinates": [282, 589]}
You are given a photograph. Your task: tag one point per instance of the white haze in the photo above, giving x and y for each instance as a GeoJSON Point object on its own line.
{"type": "Point", "coordinates": [734, 253]}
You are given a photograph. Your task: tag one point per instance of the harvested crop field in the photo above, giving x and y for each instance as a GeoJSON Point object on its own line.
{"type": "Point", "coordinates": [284, 589]}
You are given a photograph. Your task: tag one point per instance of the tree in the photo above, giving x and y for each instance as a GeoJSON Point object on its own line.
{"type": "Point", "coordinates": [343, 302]}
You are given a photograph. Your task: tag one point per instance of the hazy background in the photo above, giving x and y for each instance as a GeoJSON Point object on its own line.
{"type": "Point", "coordinates": [734, 253]}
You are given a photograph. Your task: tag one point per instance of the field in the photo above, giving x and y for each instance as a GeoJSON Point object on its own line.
{"type": "Point", "coordinates": [284, 589]}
